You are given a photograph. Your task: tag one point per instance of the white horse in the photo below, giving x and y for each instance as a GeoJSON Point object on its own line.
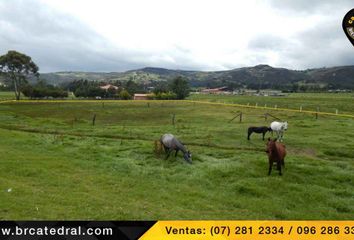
{"type": "Point", "coordinates": [279, 128]}
{"type": "Point", "coordinates": [170, 143]}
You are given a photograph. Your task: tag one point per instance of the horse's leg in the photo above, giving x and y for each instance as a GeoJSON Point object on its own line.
{"type": "Point", "coordinates": [249, 134]}
{"type": "Point", "coordinates": [176, 152]}
{"type": "Point", "coordinates": [165, 148]}
{"type": "Point", "coordinates": [279, 166]}
{"type": "Point", "coordinates": [270, 167]}
{"type": "Point", "coordinates": [263, 135]}
{"type": "Point", "coordinates": [168, 153]}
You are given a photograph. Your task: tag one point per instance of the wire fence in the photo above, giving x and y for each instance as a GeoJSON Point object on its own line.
{"type": "Point", "coordinates": [275, 108]}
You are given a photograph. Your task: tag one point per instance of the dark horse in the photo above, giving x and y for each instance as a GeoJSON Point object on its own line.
{"type": "Point", "coordinates": [276, 153]}
{"type": "Point", "coordinates": [170, 143]}
{"type": "Point", "coordinates": [263, 130]}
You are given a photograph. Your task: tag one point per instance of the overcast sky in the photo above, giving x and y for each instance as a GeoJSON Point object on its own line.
{"type": "Point", "coordinates": [119, 35]}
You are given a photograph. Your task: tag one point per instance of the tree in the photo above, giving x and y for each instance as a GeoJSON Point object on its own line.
{"type": "Point", "coordinates": [111, 92]}
{"type": "Point", "coordinates": [16, 67]}
{"type": "Point", "coordinates": [180, 87]}
{"type": "Point", "coordinates": [42, 90]}
{"type": "Point", "coordinates": [124, 95]}
{"type": "Point", "coordinates": [131, 87]}
{"type": "Point", "coordinates": [160, 87]}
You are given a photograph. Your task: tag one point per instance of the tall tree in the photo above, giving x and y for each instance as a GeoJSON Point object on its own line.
{"type": "Point", "coordinates": [16, 67]}
{"type": "Point", "coordinates": [180, 87]}
{"type": "Point", "coordinates": [132, 87]}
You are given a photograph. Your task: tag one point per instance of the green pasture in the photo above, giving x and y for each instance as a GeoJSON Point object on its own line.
{"type": "Point", "coordinates": [7, 96]}
{"type": "Point", "coordinates": [55, 164]}
{"type": "Point", "coordinates": [323, 102]}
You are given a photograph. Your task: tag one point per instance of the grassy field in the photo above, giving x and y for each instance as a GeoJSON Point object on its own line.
{"type": "Point", "coordinates": [56, 165]}
{"type": "Point", "coordinates": [324, 102]}
{"type": "Point", "coordinates": [7, 96]}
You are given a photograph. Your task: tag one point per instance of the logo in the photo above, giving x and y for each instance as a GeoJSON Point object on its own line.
{"type": "Point", "coordinates": [348, 25]}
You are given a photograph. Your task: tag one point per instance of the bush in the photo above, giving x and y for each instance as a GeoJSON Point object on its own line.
{"type": "Point", "coordinates": [91, 91]}
{"type": "Point", "coordinates": [124, 95]}
{"type": "Point", "coordinates": [163, 96]}
{"type": "Point", "coordinates": [43, 91]}
{"type": "Point", "coordinates": [180, 87]}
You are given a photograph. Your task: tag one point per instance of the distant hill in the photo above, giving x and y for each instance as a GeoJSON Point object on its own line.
{"type": "Point", "coordinates": [260, 76]}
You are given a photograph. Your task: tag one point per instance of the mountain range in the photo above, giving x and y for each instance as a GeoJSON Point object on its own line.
{"type": "Point", "coordinates": [260, 76]}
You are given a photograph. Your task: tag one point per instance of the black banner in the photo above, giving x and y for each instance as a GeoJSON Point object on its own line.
{"type": "Point", "coordinates": [70, 230]}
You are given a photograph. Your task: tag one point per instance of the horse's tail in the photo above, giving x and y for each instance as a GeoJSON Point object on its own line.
{"type": "Point", "coordinates": [158, 147]}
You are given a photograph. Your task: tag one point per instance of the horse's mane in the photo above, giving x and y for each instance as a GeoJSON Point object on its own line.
{"type": "Point", "coordinates": [180, 145]}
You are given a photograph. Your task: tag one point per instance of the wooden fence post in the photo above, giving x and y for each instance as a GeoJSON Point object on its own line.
{"type": "Point", "coordinates": [173, 119]}
{"type": "Point", "coordinates": [318, 109]}
{"type": "Point", "coordinates": [238, 115]}
{"type": "Point", "coordinates": [266, 115]}
{"type": "Point", "coordinates": [94, 119]}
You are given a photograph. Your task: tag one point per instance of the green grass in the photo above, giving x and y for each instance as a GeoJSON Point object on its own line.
{"type": "Point", "coordinates": [7, 96]}
{"type": "Point", "coordinates": [325, 102]}
{"type": "Point", "coordinates": [59, 166]}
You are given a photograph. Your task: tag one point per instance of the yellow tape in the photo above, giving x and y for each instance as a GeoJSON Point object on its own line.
{"type": "Point", "coordinates": [5, 101]}
{"type": "Point", "coordinates": [274, 109]}
{"type": "Point", "coordinates": [251, 230]}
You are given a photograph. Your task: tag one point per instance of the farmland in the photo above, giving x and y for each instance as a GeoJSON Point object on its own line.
{"type": "Point", "coordinates": [56, 164]}
{"type": "Point", "coordinates": [324, 102]}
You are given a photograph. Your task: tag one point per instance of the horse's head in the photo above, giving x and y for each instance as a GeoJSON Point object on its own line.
{"type": "Point", "coordinates": [285, 125]}
{"type": "Point", "coordinates": [188, 156]}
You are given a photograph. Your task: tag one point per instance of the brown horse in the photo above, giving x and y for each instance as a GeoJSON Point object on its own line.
{"type": "Point", "coordinates": [276, 153]}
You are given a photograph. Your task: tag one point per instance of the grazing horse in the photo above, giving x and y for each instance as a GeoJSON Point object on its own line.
{"type": "Point", "coordinates": [263, 130]}
{"type": "Point", "coordinates": [276, 153]}
{"type": "Point", "coordinates": [279, 128]}
{"type": "Point", "coordinates": [170, 143]}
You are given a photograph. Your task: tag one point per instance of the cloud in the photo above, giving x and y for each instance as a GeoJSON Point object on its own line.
{"type": "Point", "coordinates": [207, 36]}
{"type": "Point", "coordinates": [57, 41]}
{"type": "Point", "coordinates": [300, 7]}
{"type": "Point", "coordinates": [268, 42]}
{"type": "Point", "coordinates": [321, 43]}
